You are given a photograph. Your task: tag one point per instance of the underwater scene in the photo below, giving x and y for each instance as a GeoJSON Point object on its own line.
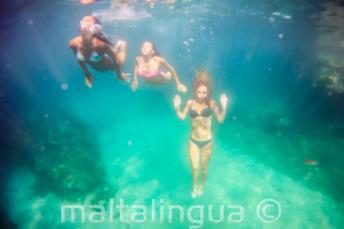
{"type": "Point", "coordinates": [172, 114]}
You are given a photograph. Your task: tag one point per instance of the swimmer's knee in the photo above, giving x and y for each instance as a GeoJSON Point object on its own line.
{"type": "Point", "coordinates": [204, 171]}
{"type": "Point", "coordinates": [204, 166]}
{"type": "Point", "coordinates": [167, 75]}
{"type": "Point", "coordinates": [120, 60]}
{"type": "Point", "coordinates": [122, 43]}
{"type": "Point", "coordinates": [195, 168]}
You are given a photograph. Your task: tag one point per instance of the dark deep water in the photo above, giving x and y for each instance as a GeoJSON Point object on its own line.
{"type": "Point", "coordinates": [281, 62]}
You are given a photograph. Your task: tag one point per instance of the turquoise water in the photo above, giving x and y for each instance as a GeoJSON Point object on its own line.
{"type": "Point", "coordinates": [280, 62]}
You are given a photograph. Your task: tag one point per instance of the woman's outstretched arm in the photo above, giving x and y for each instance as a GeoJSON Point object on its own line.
{"type": "Point", "coordinates": [220, 114]}
{"type": "Point", "coordinates": [135, 83]}
{"type": "Point", "coordinates": [175, 76]}
{"type": "Point", "coordinates": [176, 102]}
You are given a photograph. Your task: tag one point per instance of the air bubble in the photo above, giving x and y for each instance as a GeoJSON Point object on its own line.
{"type": "Point", "coordinates": [64, 86]}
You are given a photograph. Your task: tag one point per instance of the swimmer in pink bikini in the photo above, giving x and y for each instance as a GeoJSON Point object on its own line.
{"type": "Point", "coordinates": [154, 69]}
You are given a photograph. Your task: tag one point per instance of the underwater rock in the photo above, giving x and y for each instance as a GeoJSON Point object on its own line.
{"type": "Point", "coordinates": [331, 74]}
{"type": "Point", "coordinates": [329, 50]}
{"type": "Point", "coordinates": [63, 156]}
{"type": "Point", "coordinates": [5, 222]}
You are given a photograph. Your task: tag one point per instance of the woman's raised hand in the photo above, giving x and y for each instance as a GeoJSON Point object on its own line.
{"type": "Point", "coordinates": [181, 88]}
{"type": "Point", "coordinates": [224, 101]}
{"type": "Point", "coordinates": [176, 101]}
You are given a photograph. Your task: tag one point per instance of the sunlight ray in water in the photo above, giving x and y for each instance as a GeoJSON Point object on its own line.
{"type": "Point", "coordinates": [105, 106]}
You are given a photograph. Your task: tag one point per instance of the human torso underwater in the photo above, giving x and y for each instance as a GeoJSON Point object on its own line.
{"type": "Point", "coordinates": [201, 116]}
{"type": "Point", "coordinates": [95, 56]}
{"type": "Point", "coordinates": [148, 68]}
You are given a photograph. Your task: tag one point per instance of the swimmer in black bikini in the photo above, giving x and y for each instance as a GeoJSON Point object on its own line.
{"type": "Point", "coordinates": [200, 110]}
{"type": "Point", "coordinates": [94, 49]}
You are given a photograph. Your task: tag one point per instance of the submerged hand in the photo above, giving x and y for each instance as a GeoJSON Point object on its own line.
{"type": "Point", "coordinates": [134, 85]}
{"type": "Point", "coordinates": [125, 77]}
{"type": "Point", "coordinates": [176, 101]}
{"type": "Point", "coordinates": [224, 101]}
{"type": "Point", "coordinates": [181, 88]}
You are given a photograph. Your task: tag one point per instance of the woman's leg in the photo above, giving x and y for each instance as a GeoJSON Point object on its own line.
{"type": "Point", "coordinates": [194, 159]}
{"type": "Point", "coordinates": [166, 75]}
{"type": "Point", "coordinates": [120, 50]}
{"type": "Point", "coordinates": [206, 153]}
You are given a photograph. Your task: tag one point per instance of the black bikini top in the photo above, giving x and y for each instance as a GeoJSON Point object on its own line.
{"type": "Point", "coordinates": [204, 113]}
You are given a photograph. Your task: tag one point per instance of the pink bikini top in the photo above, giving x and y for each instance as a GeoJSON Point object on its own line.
{"type": "Point", "coordinates": [151, 74]}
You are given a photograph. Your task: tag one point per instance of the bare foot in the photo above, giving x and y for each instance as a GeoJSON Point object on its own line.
{"type": "Point", "coordinates": [166, 75]}
{"type": "Point", "coordinates": [89, 81]}
{"type": "Point", "coordinates": [194, 192]}
{"type": "Point", "coordinates": [120, 46]}
{"type": "Point", "coordinates": [200, 190]}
